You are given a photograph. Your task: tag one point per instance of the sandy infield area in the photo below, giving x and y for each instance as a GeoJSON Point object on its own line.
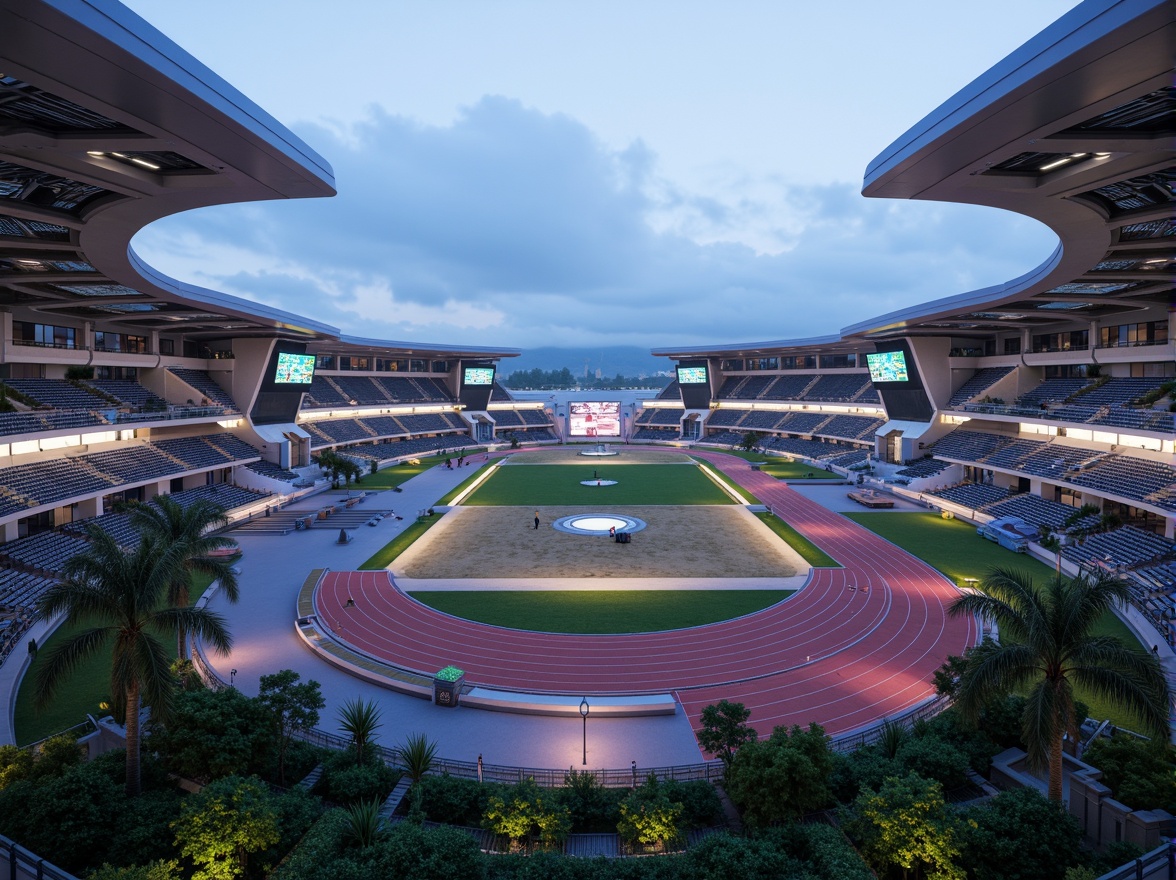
{"type": "Point", "coordinates": [687, 542]}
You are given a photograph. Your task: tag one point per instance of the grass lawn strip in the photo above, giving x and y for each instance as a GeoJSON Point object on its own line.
{"type": "Point", "coordinates": [386, 554]}
{"type": "Point", "coordinates": [797, 470]}
{"type": "Point", "coordinates": [715, 474]}
{"type": "Point", "coordinates": [560, 484]}
{"type": "Point", "coordinates": [955, 549]}
{"type": "Point", "coordinates": [601, 611]}
{"type": "Point", "coordinates": [810, 552]}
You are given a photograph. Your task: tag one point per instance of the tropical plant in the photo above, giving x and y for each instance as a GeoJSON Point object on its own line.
{"type": "Point", "coordinates": [782, 777]}
{"type": "Point", "coordinates": [416, 756]}
{"type": "Point", "coordinates": [222, 825]}
{"type": "Point", "coordinates": [360, 719]}
{"type": "Point", "coordinates": [1050, 646]}
{"type": "Point", "coordinates": [124, 593]}
{"type": "Point", "coordinates": [525, 811]}
{"type": "Point", "coordinates": [364, 823]}
{"type": "Point", "coordinates": [187, 532]}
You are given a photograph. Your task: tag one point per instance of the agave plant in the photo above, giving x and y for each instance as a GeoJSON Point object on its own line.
{"type": "Point", "coordinates": [360, 719]}
{"type": "Point", "coordinates": [416, 756]}
{"type": "Point", "coordinates": [364, 823]}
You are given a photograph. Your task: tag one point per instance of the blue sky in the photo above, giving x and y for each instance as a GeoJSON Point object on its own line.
{"type": "Point", "coordinates": [527, 174]}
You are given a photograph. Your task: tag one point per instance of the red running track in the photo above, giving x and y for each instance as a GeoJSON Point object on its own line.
{"type": "Point", "coordinates": [857, 644]}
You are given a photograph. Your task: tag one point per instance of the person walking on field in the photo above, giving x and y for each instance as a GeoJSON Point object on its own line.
{"type": "Point", "coordinates": [536, 519]}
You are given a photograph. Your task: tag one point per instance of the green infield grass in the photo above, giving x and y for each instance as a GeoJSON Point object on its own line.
{"type": "Point", "coordinates": [795, 470]}
{"type": "Point", "coordinates": [559, 484]}
{"type": "Point", "coordinates": [955, 549]}
{"type": "Point", "coordinates": [601, 611]}
{"type": "Point", "coordinates": [79, 695]}
{"type": "Point", "coordinates": [384, 556]}
{"type": "Point", "coordinates": [810, 552]}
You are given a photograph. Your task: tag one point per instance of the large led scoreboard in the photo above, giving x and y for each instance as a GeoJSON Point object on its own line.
{"type": "Point", "coordinates": [594, 418]}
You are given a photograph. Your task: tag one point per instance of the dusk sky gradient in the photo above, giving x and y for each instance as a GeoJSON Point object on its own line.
{"type": "Point", "coordinates": [528, 174]}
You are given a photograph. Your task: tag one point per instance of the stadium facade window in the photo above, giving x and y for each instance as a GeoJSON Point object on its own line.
{"type": "Point", "coordinates": [35, 524]}
{"type": "Point", "coordinates": [1146, 333]}
{"type": "Point", "coordinates": [440, 366]}
{"type": "Point", "coordinates": [325, 362]}
{"type": "Point", "coordinates": [122, 374]}
{"type": "Point", "coordinates": [731, 365]}
{"type": "Point", "coordinates": [121, 342]}
{"type": "Point", "coordinates": [838, 361]}
{"type": "Point", "coordinates": [418, 366]}
{"type": "Point", "coordinates": [765, 363]}
{"type": "Point", "coordinates": [167, 346]}
{"type": "Point", "coordinates": [1160, 370]}
{"type": "Point", "coordinates": [44, 335]}
{"type": "Point", "coordinates": [355, 363]}
{"type": "Point", "coordinates": [799, 362]}
{"type": "Point", "coordinates": [391, 365]}
{"type": "Point", "coordinates": [1072, 341]}
{"type": "Point", "coordinates": [1012, 345]}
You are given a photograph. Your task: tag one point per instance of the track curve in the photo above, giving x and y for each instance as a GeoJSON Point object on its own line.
{"type": "Point", "coordinates": [855, 645]}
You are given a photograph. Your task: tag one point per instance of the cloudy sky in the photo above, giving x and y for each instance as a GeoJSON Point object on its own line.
{"type": "Point", "coordinates": [648, 173]}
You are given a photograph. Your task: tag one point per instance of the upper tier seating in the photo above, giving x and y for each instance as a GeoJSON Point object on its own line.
{"type": "Point", "coordinates": [411, 447]}
{"type": "Point", "coordinates": [1119, 392]}
{"type": "Point", "coordinates": [802, 422]}
{"type": "Point", "coordinates": [673, 391]}
{"type": "Point", "coordinates": [323, 394]}
{"type": "Point", "coordinates": [981, 380]}
{"type": "Point", "coordinates": [850, 427]}
{"type": "Point", "coordinates": [212, 450]}
{"type": "Point", "coordinates": [723, 418]}
{"type": "Point", "coordinates": [968, 445]}
{"type": "Point", "coordinates": [273, 471]}
{"type": "Point", "coordinates": [535, 417]}
{"type": "Point", "coordinates": [131, 393]}
{"type": "Point", "coordinates": [206, 385]}
{"type": "Point", "coordinates": [924, 467]}
{"type": "Point", "coordinates": [401, 389]}
{"type": "Point", "coordinates": [849, 459]}
{"type": "Point", "coordinates": [1038, 512]}
{"type": "Point", "coordinates": [789, 387]}
{"type": "Point", "coordinates": [1125, 547]}
{"type": "Point", "coordinates": [57, 393]}
{"type": "Point", "coordinates": [838, 387]}
{"type": "Point", "coordinates": [46, 552]}
{"type": "Point", "coordinates": [499, 394]}
{"type": "Point", "coordinates": [47, 420]}
{"type": "Point", "coordinates": [658, 434]}
{"type": "Point", "coordinates": [973, 495]}
{"type": "Point", "coordinates": [748, 387]}
{"type": "Point", "coordinates": [1052, 391]}
{"type": "Point", "coordinates": [507, 418]}
{"type": "Point", "coordinates": [666, 417]}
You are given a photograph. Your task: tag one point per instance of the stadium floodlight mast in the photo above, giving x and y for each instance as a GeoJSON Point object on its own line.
{"type": "Point", "coordinates": [584, 715]}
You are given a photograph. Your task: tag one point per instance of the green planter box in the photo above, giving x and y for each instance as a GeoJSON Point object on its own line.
{"type": "Point", "coordinates": [447, 685]}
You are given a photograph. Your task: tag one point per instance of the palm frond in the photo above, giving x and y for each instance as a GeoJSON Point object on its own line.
{"type": "Point", "coordinates": [60, 661]}
{"type": "Point", "coordinates": [208, 625]}
{"type": "Point", "coordinates": [994, 669]}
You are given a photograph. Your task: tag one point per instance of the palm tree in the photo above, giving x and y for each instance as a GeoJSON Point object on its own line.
{"type": "Point", "coordinates": [360, 718]}
{"type": "Point", "coordinates": [187, 531]}
{"type": "Point", "coordinates": [124, 594]}
{"type": "Point", "coordinates": [1050, 647]}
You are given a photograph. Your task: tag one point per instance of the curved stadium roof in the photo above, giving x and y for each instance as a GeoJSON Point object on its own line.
{"type": "Point", "coordinates": [106, 126]}
{"type": "Point", "coordinates": [1076, 129]}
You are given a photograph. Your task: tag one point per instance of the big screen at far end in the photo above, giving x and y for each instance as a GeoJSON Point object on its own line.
{"type": "Point", "coordinates": [477, 376]}
{"type": "Point", "coordinates": [594, 418]}
{"type": "Point", "coordinates": [888, 366]}
{"type": "Point", "coordinates": [294, 369]}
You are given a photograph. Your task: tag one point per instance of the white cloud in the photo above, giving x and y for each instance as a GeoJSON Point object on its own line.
{"type": "Point", "coordinates": [518, 228]}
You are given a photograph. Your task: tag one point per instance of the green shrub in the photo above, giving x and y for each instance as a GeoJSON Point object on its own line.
{"type": "Point", "coordinates": [932, 758]}
{"type": "Point", "coordinates": [344, 781]}
{"type": "Point", "coordinates": [455, 801]}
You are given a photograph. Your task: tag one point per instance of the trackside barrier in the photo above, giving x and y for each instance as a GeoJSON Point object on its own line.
{"type": "Point", "coordinates": [17, 863]}
{"type": "Point", "coordinates": [1159, 864]}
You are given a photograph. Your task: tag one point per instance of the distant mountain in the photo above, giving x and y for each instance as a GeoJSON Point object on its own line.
{"type": "Point", "coordinates": [628, 360]}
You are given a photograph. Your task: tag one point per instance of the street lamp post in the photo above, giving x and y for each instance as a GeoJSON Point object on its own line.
{"type": "Point", "coordinates": [232, 676]}
{"type": "Point", "coordinates": [584, 715]}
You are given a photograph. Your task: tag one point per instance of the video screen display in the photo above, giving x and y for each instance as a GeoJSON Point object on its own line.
{"type": "Point", "coordinates": [888, 366]}
{"type": "Point", "coordinates": [477, 376]}
{"type": "Point", "coordinates": [294, 369]}
{"type": "Point", "coordinates": [691, 375]}
{"type": "Point", "coordinates": [594, 418]}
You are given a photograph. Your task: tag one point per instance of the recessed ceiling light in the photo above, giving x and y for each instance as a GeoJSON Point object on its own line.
{"type": "Point", "coordinates": [1057, 163]}
{"type": "Point", "coordinates": [144, 163]}
{"type": "Point", "coordinates": [98, 154]}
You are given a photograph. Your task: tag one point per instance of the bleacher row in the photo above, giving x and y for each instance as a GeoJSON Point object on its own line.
{"type": "Point", "coordinates": [333, 431]}
{"type": "Point", "coordinates": [667, 416]}
{"type": "Point", "coordinates": [530, 435]}
{"type": "Point", "coordinates": [43, 482]}
{"type": "Point", "coordinates": [31, 565]}
{"type": "Point", "coordinates": [1127, 476]}
{"type": "Point", "coordinates": [522, 418]}
{"type": "Point", "coordinates": [1122, 548]}
{"type": "Point", "coordinates": [662, 434]}
{"type": "Point", "coordinates": [831, 387]}
{"type": "Point", "coordinates": [1105, 402]}
{"type": "Point", "coordinates": [980, 381]}
{"type": "Point", "coordinates": [847, 427]}
{"type": "Point", "coordinates": [400, 448]}
{"type": "Point", "coordinates": [342, 391]}
{"type": "Point", "coordinates": [818, 450]}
